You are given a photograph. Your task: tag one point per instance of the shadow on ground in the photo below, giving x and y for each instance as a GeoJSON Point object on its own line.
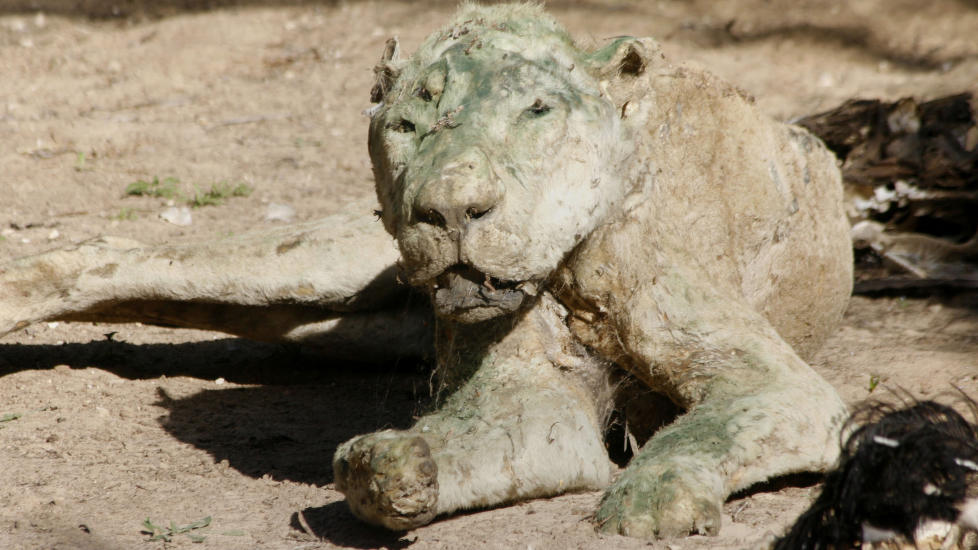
{"type": "Point", "coordinates": [234, 359]}
{"type": "Point", "coordinates": [334, 523]}
{"type": "Point", "coordinates": [286, 426]}
{"type": "Point", "coordinates": [289, 432]}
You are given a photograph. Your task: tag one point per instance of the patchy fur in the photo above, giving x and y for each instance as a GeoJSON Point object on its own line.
{"type": "Point", "coordinates": [575, 216]}
{"type": "Point", "coordinates": [644, 214]}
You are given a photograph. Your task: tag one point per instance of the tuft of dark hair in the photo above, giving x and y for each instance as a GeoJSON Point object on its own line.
{"type": "Point", "coordinates": [901, 465]}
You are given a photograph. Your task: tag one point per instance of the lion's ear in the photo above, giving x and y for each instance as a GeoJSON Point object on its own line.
{"type": "Point", "coordinates": [624, 57]}
{"type": "Point", "coordinates": [619, 64]}
{"type": "Point", "coordinates": [386, 71]}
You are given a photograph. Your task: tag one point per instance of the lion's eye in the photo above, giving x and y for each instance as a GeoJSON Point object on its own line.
{"type": "Point", "coordinates": [401, 125]}
{"type": "Point", "coordinates": [423, 93]}
{"type": "Point", "coordinates": [538, 108]}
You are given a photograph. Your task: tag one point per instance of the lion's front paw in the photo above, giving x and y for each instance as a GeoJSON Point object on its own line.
{"type": "Point", "coordinates": [659, 503]}
{"type": "Point", "coordinates": [389, 479]}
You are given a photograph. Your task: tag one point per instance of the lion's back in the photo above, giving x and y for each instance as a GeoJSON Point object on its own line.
{"type": "Point", "coordinates": [757, 201]}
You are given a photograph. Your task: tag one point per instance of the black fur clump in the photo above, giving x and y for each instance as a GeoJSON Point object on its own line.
{"type": "Point", "coordinates": [899, 467]}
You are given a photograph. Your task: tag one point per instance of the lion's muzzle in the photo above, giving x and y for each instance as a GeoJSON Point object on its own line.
{"type": "Point", "coordinates": [464, 190]}
{"type": "Point", "coordinates": [467, 295]}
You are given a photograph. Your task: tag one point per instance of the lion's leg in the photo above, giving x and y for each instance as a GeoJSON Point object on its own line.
{"type": "Point", "coordinates": [515, 431]}
{"type": "Point", "coordinates": [517, 427]}
{"type": "Point", "coordinates": [754, 409]}
{"type": "Point", "coordinates": [281, 284]}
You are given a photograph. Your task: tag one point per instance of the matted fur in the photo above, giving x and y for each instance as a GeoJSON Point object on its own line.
{"type": "Point", "coordinates": [572, 211]}
{"type": "Point", "coordinates": [575, 215]}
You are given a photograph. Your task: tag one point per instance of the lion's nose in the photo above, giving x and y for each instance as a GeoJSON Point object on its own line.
{"type": "Point", "coordinates": [464, 191]}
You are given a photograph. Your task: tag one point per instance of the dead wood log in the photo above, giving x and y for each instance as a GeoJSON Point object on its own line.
{"type": "Point", "coordinates": [911, 175]}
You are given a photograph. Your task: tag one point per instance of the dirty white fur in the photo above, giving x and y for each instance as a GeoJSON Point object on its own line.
{"type": "Point", "coordinates": [687, 239]}
{"type": "Point", "coordinates": [574, 214]}
{"type": "Point", "coordinates": [544, 437]}
{"type": "Point", "coordinates": [544, 200]}
{"type": "Point", "coordinates": [969, 514]}
{"type": "Point", "coordinates": [300, 276]}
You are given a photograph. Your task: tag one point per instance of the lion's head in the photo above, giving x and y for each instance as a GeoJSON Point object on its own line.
{"type": "Point", "coordinates": [497, 148]}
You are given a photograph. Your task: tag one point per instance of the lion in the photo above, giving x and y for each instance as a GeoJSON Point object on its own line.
{"type": "Point", "coordinates": [580, 219]}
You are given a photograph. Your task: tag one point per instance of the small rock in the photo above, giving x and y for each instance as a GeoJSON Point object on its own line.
{"type": "Point", "coordinates": [177, 215]}
{"type": "Point", "coordinates": [279, 212]}
{"type": "Point", "coordinates": [54, 234]}
{"type": "Point", "coordinates": [220, 381]}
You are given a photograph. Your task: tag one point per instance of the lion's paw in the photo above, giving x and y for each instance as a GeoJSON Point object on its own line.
{"type": "Point", "coordinates": [660, 503]}
{"type": "Point", "coordinates": [389, 479]}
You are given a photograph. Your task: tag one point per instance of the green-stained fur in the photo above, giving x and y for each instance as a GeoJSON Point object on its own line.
{"type": "Point", "coordinates": [574, 211]}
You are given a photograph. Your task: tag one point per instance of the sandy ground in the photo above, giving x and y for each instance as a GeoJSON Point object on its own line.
{"type": "Point", "coordinates": [119, 423]}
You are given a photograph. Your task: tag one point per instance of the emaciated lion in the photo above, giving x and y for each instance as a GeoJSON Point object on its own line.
{"type": "Point", "coordinates": [577, 216]}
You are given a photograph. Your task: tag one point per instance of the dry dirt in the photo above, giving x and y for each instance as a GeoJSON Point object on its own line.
{"type": "Point", "coordinates": [119, 423]}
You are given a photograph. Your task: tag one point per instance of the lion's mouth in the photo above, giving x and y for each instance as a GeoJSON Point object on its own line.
{"type": "Point", "coordinates": [465, 294]}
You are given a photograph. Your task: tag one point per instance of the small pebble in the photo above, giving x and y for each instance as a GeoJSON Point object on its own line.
{"type": "Point", "coordinates": [276, 212]}
{"type": "Point", "coordinates": [177, 215]}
